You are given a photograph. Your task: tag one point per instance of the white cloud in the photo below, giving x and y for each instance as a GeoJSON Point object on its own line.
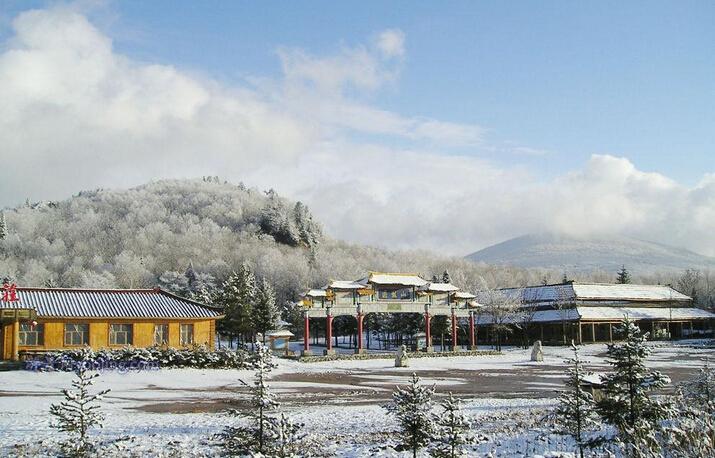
{"type": "Point", "coordinates": [75, 114]}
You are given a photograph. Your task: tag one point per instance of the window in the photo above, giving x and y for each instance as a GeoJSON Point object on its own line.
{"type": "Point", "coordinates": [187, 334]}
{"type": "Point", "coordinates": [32, 335]}
{"type": "Point", "coordinates": [161, 334]}
{"type": "Point", "coordinates": [76, 334]}
{"type": "Point", "coordinates": [120, 334]}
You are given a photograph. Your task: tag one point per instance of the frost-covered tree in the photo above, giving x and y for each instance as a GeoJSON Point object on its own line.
{"type": "Point", "coordinates": [502, 309]}
{"type": "Point", "coordinates": [79, 412]}
{"type": "Point", "coordinates": [412, 407]}
{"type": "Point", "coordinates": [284, 436]}
{"type": "Point", "coordinates": [309, 231]}
{"type": "Point", "coordinates": [174, 282]}
{"type": "Point", "coordinates": [576, 411]}
{"type": "Point", "coordinates": [623, 276]}
{"type": "Point", "coordinates": [627, 403]}
{"type": "Point", "coordinates": [237, 295]}
{"type": "Point", "coordinates": [254, 438]}
{"type": "Point", "coordinates": [700, 390]}
{"type": "Point", "coordinates": [265, 313]}
{"type": "Point", "coordinates": [3, 226]}
{"type": "Point", "coordinates": [445, 277]}
{"type": "Point", "coordinates": [452, 430]}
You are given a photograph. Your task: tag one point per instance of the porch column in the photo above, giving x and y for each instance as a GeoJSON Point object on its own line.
{"type": "Point", "coordinates": [580, 333]}
{"type": "Point", "coordinates": [306, 335]}
{"type": "Point", "coordinates": [428, 334]}
{"type": "Point", "coordinates": [16, 340]}
{"type": "Point", "coordinates": [472, 338]}
{"type": "Point", "coordinates": [359, 317]}
{"type": "Point", "coordinates": [455, 347]}
{"type": "Point", "coordinates": [329, 334]}
{"type": "Point", "coordinates": [610, 332]}
{"type": "Point", "coordinates": [593, 332]}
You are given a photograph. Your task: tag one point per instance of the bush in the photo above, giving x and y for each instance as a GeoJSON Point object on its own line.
{"type": "Point", "coordinates": [132, 358]}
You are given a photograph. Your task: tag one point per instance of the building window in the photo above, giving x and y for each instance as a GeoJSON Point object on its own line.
{"type": "Point", "coordinates": [161, 334]}
{"type": "Point", "coordinates": [120, 334]}
{"type": "Point", "coordinates": [187, 334]}
{"type": "Point", "coordinates": [32, 335]}
{"type": "Point", "coordinates": [76, 334]}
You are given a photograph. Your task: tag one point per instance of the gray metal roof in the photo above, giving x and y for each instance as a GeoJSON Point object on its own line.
{"type": "Point", "coordinates": [596, 292]}
{"type": "Point", "coordinates": [109, 303]}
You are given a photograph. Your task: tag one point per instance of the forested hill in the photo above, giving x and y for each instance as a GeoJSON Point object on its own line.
{"type": "Point", "coordinates": [134, 238]}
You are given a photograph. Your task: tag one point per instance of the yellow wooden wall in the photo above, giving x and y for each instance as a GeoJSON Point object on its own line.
{"type": "Point", "coordinates": [143, 334]}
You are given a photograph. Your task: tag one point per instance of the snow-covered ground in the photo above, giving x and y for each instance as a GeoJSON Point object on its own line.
{"type": "Point", "coordinates": [175, 412]}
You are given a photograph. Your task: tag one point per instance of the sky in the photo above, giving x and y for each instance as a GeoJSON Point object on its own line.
{"type": "Point", "coordinates": [446, 126]}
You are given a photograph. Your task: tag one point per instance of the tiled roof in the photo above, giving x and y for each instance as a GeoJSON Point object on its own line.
{"type": "Point", "coordinates": [570, 292]}
{"type": "Point", "coordinates": [109, 303]}
{"type": "Point", "coordinates": [346, 284]}
{"type": "Point", "coordinates": [439, 287]}
{"type": "Point", "coordinates": [380, 278]}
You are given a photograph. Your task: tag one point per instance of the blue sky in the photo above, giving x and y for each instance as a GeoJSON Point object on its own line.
{"type": "Point", "coordinates": [548, 84]}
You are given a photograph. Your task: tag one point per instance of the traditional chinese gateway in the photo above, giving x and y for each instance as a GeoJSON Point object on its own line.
{"type": "Point", "coordinates": [584, 312]}
{"type": "Point", "coordinates": [41, 319]}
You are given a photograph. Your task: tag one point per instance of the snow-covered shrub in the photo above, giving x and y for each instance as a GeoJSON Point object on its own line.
{"type": "Point", "coordinates": [412, 406]}
{"type": "Point", "coordinates": [132, 358]}
{"type": "Point", "coordinates": [452, 430]}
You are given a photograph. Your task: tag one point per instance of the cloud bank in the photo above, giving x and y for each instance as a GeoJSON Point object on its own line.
{"type": "Point", "coordinates": [75, 114]}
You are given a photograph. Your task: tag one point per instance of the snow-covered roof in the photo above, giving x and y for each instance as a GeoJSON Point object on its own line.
{"type": "Point", "coordinates": [316, 293]}
{"type": "Point", "coordinates": [541, 316]}
{"type": "Point", "coordinates": [604, 291]}
{"type": "Point", "coordinates": [464, 295]}
{"type": "Point", "coordinates": [280, 333]}
{"type": "Point", "coordinates": [572, 291]}
{"type": "Point", "coordinates": [110, 303]}
{"type": "Point", "coordinates": [380, 278]}
{"type": "Point", "coordinates": [345, 284]}
{"type": "Point", "coordinates": [439, 287]}
{"type": "Point", "coordinates": [643, 313]}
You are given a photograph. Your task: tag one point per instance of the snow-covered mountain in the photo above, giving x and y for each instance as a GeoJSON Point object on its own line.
{"type": "Point", "coordinates": [577, 255]}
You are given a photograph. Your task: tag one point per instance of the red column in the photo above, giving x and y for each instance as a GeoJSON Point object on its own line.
{"type": "Point", "coordinates": [306, 334]}
{"type": "Point", "coordinates": [454, 332]}
{"type": "Point", "coordinates": [472, 340]}
{"type": "Point", "coordinates": [359, 331]}
{"type": "Point", "coordinates": [329, 332]}
{"type": "Point", "coordinates": [428, 335]}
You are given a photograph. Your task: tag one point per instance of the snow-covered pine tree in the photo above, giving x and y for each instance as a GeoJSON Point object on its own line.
{"type": "Point", "coordinates": [623, 277]}
{"type": "Point", "coordinates": [174, 282]}
{"type": "Point", "coordinates": [246, 440]}
{"type": "Point", "coordinates": [627, 403]}
{"type": "Point", "coordinates": [265, 311]}
{"type": "Point", "coordinates": [452, 430]}
{"type": "Point", "coordinates": [445, 277]}
{"type": "Point", "coordinates": [576, 411]}
{"type": "Point", "coordinates": [412, 406]}
{"type": "Point", "coordinates": [237, 295]}
{"type": "Point", "coordinates": [79, 412]}
{"type": "Point", "coordinates": [284, 436]}
{"type": "Point", "coordinates": [308, 230]}
{"type": "Point", "coordinates": [700, 390]}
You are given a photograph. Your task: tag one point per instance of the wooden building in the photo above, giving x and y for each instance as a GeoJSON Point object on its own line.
{"type": "Point", "coordinates": [589, 312]}
{"type": "Point", "coordinates": [58, 318]}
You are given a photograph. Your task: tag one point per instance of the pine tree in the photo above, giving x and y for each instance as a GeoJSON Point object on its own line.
{"type": "Point", "coordinates": [308, 230]}
{"type": "Point", "coordinates": [412, 406]}
{"type": "Point", "coordinates": [79, 412]}
{"type": "Point", "coordinates": [3, 227]}
{"type": "Point", "coordinates": [623, 277]}
{"type": "Point", "coordinates": [244, 440]}
{"type": "Point", "coordinates": [452, 433]}
{"type": "Point", "coordinates": [284, 436]}
{"type": "Point", "coordinates": [627, 404]}
{"type": "Point", "coordinates": [700, 390]}
{"type": "Point", "coordinates": [445, 277]}
{"type": "Point", "coordinates": [576, 412]}
{"type": "Point", "coordinates": [265, 311]}
{"type": "Point", "coordinates": [237, 296]}
{"type": "Point", "coordinates": [174, 282]}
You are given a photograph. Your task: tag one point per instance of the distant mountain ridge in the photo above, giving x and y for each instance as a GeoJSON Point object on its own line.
{"type": "Point", "coordinates": [599, 253]}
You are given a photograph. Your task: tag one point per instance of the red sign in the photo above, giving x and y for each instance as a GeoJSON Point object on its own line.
{"type": "Point", "coordinates": [9, 292]}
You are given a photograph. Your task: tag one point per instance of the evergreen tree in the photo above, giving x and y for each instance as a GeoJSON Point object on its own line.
{"type": "Point", "coordinates": [244, 440]}
{"type": "Point", "coordinates": [452, 430]}
{"type": "Point", "coordinates": [308, 230]}
{"type": "Point", "coordinates": [237, 296]}
{"type": "Point", "coordinates": [412, 406]}
{"type": "Point", "coordinates": [623, 277]}
{"type": "Point", "coordinates": [175, 283]}
{"type": "Point", "coordinates": [445, 277]}
{"type": "Point", "coordinates": [576, 412]}
{"type": "Point", "coordinates": [700, 390]}
{"type": "Point", "coordinates": [79, 412]}
{"type": "Point", "coordinates": [265, 311]}
{"type": "Point", "coordinates": [3, 227]}
{"type": "Point", "coordinates": [627, 404]}
{"type": "Point", "coordinates": [565, 279]}
{"type": "Point", "coordinates": [284, 436]}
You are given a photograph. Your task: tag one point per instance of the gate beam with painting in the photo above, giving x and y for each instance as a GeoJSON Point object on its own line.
{"type": "Point", "coordinates": [388, 293]}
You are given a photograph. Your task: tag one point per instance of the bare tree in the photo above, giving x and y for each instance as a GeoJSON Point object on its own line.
{"type": "Point", "coordinates": [501, 309]}
{"type": "Point", "coordinates": [563, 302]}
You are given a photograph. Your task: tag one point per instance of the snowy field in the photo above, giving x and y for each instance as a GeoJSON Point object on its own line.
{"type": "Point", "coordinates": [175, 412]}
